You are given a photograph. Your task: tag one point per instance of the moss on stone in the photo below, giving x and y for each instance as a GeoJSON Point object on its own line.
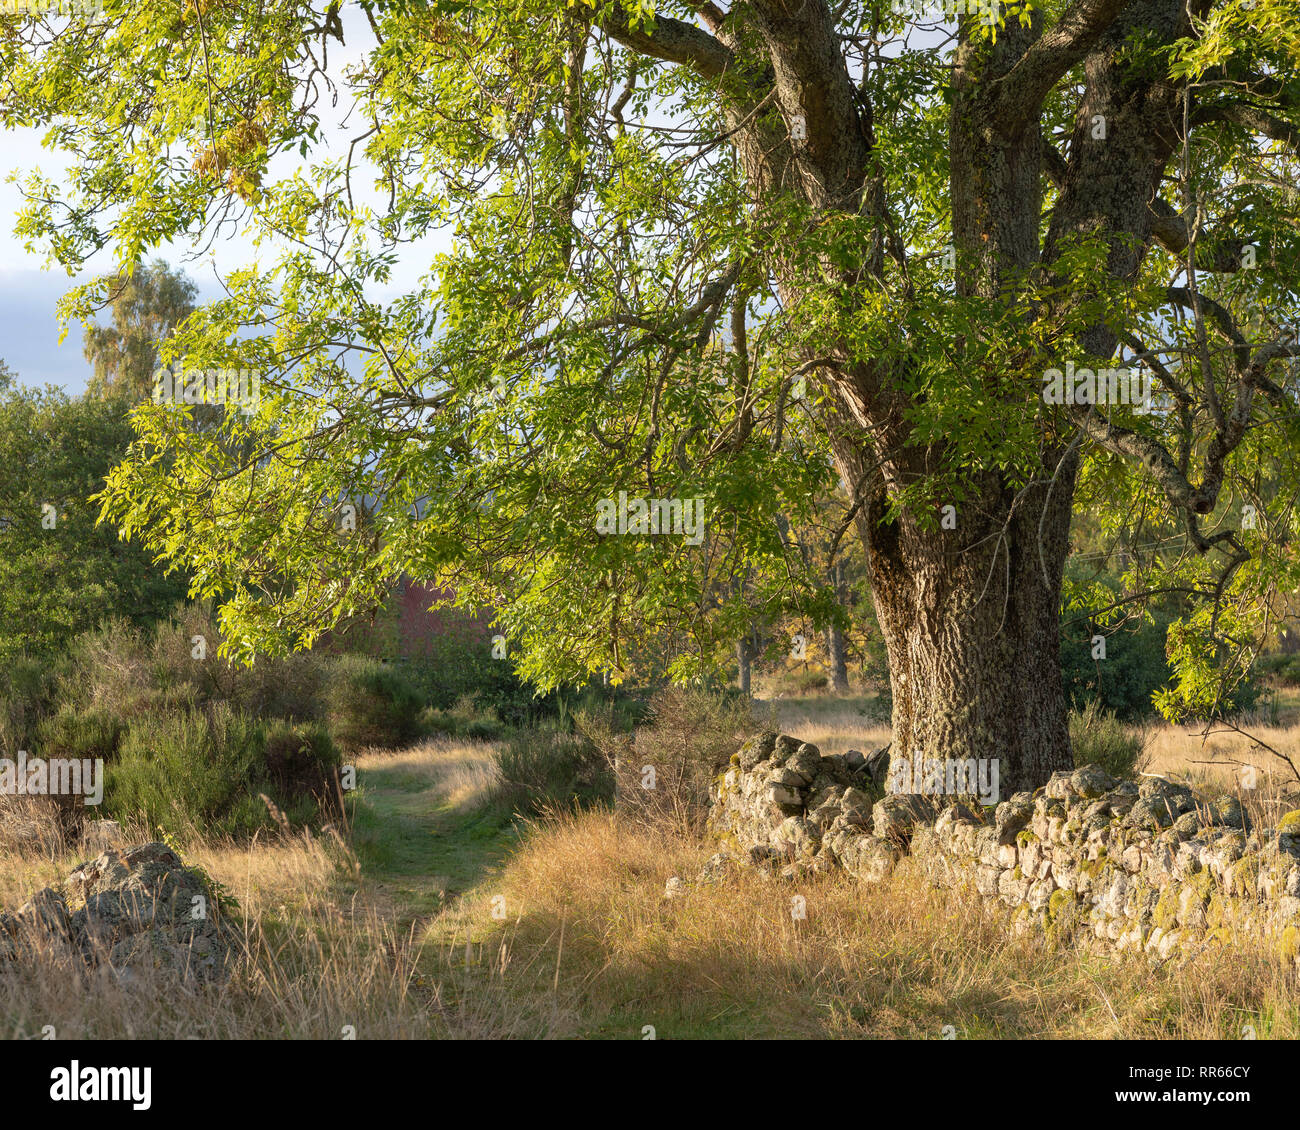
{"type": "Point", "coordinates": [1063, 914]}
{"type": "Point", "coordinates": [1290, 823]}
{"type": "Point", "coordinates": [1165, 914]}
{"type": "Point", "coordinates": [1094, 866]}
{"type": "Point", "coordinates": [1215, 911]}
{"type": "Point", "coordinates": [1202, 882]}
{"type": "Point", "coordinates": [1245, 872]}
{"type": "Point", "coordinates": [1060, 902]}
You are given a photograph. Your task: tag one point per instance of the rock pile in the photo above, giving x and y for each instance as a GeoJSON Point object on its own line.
{"type": "Point", "coordinates": [130, 910]}
{"type": "Point", "coordinates": [1148, 866]}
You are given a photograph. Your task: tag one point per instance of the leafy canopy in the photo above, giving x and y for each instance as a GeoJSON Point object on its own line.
{"type": "Point", "coordinates": [616, 305]}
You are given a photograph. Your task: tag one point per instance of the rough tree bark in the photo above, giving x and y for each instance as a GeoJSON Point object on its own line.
{"type": "Point", "coordinates": [969, 611]}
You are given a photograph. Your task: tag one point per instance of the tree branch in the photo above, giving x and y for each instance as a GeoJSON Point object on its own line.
{"type": "Point", "coordinates": [672, 41]}
{"type": "Point", "coordinates": [1019, 93]}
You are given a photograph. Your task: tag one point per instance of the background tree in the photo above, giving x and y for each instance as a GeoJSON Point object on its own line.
{"type": "Point", "coordinates": [146, 304]}
{"type": "Point", "coordinates": [61, 573]}
{"type": "Point", "coordinates": [664, 220]}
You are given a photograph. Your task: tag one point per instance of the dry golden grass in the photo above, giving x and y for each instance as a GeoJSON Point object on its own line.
{"type": "Point", "coordinates": [1217, 759]}
{"type": "Point", "coordinates": [573, 937]}
{"type": "Point", "coordinates": [463, 772]}
{"type": "Point", "coordinates": [832, 724]}
{"type": "Point", "coordinates": [307, 969]}
{"type": "Point", "coordinates": [592, 947]}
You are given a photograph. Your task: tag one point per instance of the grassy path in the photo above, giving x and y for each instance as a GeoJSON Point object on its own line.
{"type": "Point", "coordinates": [423, 827]}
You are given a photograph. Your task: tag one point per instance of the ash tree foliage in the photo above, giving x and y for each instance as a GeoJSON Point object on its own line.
{"type": "Point", "coordinates": [740, 254]}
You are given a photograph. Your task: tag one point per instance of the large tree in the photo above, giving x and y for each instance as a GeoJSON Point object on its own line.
{"type": "Point", "coordinates": [717, 253]}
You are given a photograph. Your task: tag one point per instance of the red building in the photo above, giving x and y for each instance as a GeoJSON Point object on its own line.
{"type": "Point", "coordinates": [408, 628]}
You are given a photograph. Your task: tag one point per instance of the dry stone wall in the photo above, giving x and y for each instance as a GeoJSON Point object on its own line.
{"type": "Point", "coordinates": [1147, 866]}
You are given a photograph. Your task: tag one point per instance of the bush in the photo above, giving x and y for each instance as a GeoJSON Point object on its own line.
{"type": "Point", "coordinates": [1099, 738]}
{"type": "Point", "coordinates": [92, 733]}
{"type": "Point", "coordinates": [371, 704]}
{"type": "Point", "coordinates": [1284, 668]}
{"type": "Point", "coordinates": [28, 697]}
{"type": "Point", "coordinates": [208, 770]}
{"type": "Point", "coordinates": [133, 672]}
{"type": "Point", "coordinates": [186, 771]}
{"type": "Point", "coordinates": [515, 702]}
{"type": "Point", "coordinates": [190, 740]}
{"type": "Point", "coordinates": [78, 735]}
{"type": "Point", "coordinates": [292, 687]}
{"type": "Point", "coordinates": [441, 682]}
{"type": "Point", "coordinates": [688, 741]}
{"type": "Point", "coordinates": [301, 761]}
{"type": "Point", "coordinates": [128, 671]}
{"type": "Point", "coordinates": [1135, 667]}
{"type": "Point", "coordinates": [482, 730]}
{"type": "Point", "coordinates": [549, 767]}
{"type": "Point", "coordinates": [811, 682]}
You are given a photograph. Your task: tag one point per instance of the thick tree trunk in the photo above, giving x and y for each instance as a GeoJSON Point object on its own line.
{"type": "Point", "coordinates": [970, 618]}
{"type": "Point", "coordinates": [969, 612]}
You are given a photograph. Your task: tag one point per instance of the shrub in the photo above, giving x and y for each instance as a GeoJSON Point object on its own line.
{"type": "Point", "coordinates": [1282, 667]}
{"type": "Point", "coordinates": [129, 671]}
{"type": "Point", "coordinates": [443, 680]}
{"type": "Point", "coordinates": [134, 672]}
{"type": "Point", "coordinates": [1134, 668]}
{"type": "Point", "coordinates": [1099, 738]}
{"type": "Point", "coordinates": [811, 682]}
{"type": "Point", "coordinates": [80, 733]}
{"type": "Point", "coordinates": [301, 761]}
{"type": "Point", "coordinates": [209, 769]}
{"type": "Point", "coordinates": [292, 687]}
{"type": "Point", "coordinates": [549, 767]}
{"type": "Point", "coordinates": [371, 704]}
{"type": "Point", "coordinates": [514, 702]}
{"type": "Point", "coordinates": [185, 771]}
{"type": "Point", "coordinates": [28, 697]}
{"type": "Point", "coordinates": [688, 741]}
{"type": "Point", "coordinates": [438, 723]}
{"type": "Point", "coordinates": [482, 730]}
